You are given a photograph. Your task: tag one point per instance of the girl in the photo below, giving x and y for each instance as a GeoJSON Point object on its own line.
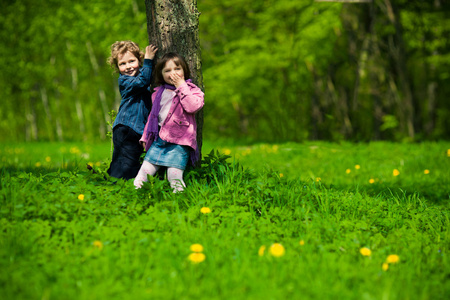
{"type": "Point", "coordinates": [170, 135]}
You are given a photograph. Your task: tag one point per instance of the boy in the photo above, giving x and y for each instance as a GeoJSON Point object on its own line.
{"type": "Point", "coordinates": [134, 80]}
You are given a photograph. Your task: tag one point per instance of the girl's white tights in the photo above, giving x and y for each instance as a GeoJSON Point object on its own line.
{"type": "Point", "coordinates": [174, 175]}
{"type": "Point", "coordinates": [146, 169]}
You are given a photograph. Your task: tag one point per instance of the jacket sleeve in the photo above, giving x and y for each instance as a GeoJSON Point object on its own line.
{"type": "Point", "coordinates": [191, 97]}
{"type": "Point", "coordinates": [144, 137]}
{"type": "Point", "coordinates": [132, 85]}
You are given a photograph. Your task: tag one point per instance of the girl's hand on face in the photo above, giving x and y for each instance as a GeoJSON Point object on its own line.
{"type": "Point", "coordinates": [176, 79]}
{"type": "Point", "coordinates": [150, 51]}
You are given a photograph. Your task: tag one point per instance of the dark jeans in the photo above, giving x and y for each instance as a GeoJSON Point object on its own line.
{"type": "Point", "coordinates": [127, 151]}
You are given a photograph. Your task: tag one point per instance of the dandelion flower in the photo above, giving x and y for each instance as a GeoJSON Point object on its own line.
{"type": "Point", "coordinates": [302, 242]}
{"type": "Point", "coordinates": [281, 175]}
{"type": "Point", "coordinates": [365, 251]}
{"type": "Point", "coordinates": [81, 197]}
{"type": "Point", "coordinates": [196, 248]}
{"type": "Point", "coordinates": [38, 164]}
{"type": "Point", "coordinates": [197, 257]}
{"type": "Point", "coordinates": [318, 179]}
{"type": "Point", "coordinates": [448, 152]}
{"type": "Point", "coordinates": [205, 210]}
{"type": "Point", "coordinates": [426, 172]}
{"type": "Point", "coordinates": [385, 266]}
{"type": "Point", "coordinates": [98, 245]}
{"type": "Point", "coordinates": [277, 250]}
{"type": "Point", "coordinates": [74, 150]}
{"type": "Point", "coordinates": [393, 259]}
{"type": "Point", "coordinates": [371, 180]}
{"type": "Point", "coordinates": [48, 159]}
{"type": "Point", "coordinates": [357, 167]}
{"type": "Point", "coordinates": [227, 151]}
{"type": "Point", "coordinates": [261, 250]}
{"type": "Point", "coordinates": [348, 171]}
{"type": "Point", "coordinates": [396, 172]}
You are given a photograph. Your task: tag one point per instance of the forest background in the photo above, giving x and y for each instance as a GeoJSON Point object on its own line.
{"type": "Point", "coordinates": [274, 70]}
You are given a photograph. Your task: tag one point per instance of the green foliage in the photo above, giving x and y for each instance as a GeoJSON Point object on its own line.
{"type": "Point", "coordinates": [60, 87]}
{"type": "Point", "coordinates": [68, 233]}
{"type": "Point", "coordinates": [273, 70]}
{"type": "Point", "coordinates": [296, 70]}
{"type": "Point", "coordinates": [258, 74]}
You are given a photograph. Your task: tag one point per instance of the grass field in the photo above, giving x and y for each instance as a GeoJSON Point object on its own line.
{"type": "Point", "coordinates": [286, 221]}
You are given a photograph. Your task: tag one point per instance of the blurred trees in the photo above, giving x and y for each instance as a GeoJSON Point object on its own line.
{"type": "Point", "coordinates": [294, 70]}
{"type": "Point", "coordinates": [273, 70]}
{"type": "Point", "coordinates": [55, 83]}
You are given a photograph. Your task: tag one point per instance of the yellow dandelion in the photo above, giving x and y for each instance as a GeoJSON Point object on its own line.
{"type": "Point", "coordinates": [393, 259]}
{"type": "Point", "coordinates": [205, 210]}
{"type": "Point", "coordinates": [48, 159]}
{"type": "Point", "coordinates": [348, 171]}
{"type": "Point", "coordinates": [426, 172]}
{"type": "Point", "coordinates": [371, 180]}
{"type": "Point", "coordinates": [196, 257]}
{"type": "Point", "coordinates": [90, 164]}
{"type": "Point", "coordinates": [318, 179]}
{"type": "Point", "coordinates": [365, 251]}
{"type": "Point", "coordinates": [38, 164]}
{"type": "Point", "coordinates": [277, 250]}
{"type": "Point", "coordinates": [396, 172]}
{"type": "Point", "coordinates": [98, 245]}
{"type": "Point", "coordinates": [281, 175]}
{"type": "Point", "coordinates": [227, 151]}
{"type": "Point", "coordinates": [74, 150]}
{"type": "Point", "coordinates": [196, 248]}
{"type": "Point", "coordinates": [357, 167]}
{"type": "Point", "coordinates": [448, 152]}
{"type": "Point", "coordinates": [385, 266]}
{"type": "Point", "coordinates": [261, 250]}
{"type": "Point", "coordinates": [302, 242]}
{"type": "Point", "coordinates": [81, 197]}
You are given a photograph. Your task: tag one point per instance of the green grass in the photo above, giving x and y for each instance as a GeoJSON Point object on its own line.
{"type": "Point", "coordinates": [122, 243]}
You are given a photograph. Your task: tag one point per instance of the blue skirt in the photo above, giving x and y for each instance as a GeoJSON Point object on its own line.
{"type": "Point", "coordinates": [162, 153]}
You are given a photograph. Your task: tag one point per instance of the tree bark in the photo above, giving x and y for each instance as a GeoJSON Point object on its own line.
{"type": "Point", "coordinates": [398, 54]}
{"type": "Point", "coordinates": [101, 92]}
{"type": "Point", "coordinates": [172, 26]}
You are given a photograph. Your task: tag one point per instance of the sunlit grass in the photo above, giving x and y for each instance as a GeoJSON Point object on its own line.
{"type": "Point", "coordinates": [281, 221]}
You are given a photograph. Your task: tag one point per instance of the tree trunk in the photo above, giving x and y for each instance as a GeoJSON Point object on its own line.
{"type": "Point", "coordinates": [31, 130]}
{"type": "Point", "coordinates": [172, 26]}
{"type": "Point", "coordinates": [398, 54]}
{"type": "Point", "coordinates": [48, 114]}
{"type": "Point", "coordinates": [101, 92]}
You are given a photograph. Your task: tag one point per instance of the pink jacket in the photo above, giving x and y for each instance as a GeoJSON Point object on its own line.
{"type": "Point", "coordinates": [180, 126]}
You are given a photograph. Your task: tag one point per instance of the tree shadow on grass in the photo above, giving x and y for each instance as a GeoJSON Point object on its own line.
{"type": "Point", "coordinates": [93, 174]}
{"type": "Point", "coordinates": [437, 193]}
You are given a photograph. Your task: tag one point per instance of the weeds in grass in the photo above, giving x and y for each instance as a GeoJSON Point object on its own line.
{"type": "Point", "coordinates": [236, 232]}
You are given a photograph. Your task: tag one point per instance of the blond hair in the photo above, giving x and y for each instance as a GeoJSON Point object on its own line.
{"type": "Point", "coordinates": [122, 47]}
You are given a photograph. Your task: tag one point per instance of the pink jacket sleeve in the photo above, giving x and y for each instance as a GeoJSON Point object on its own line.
{"type": "Point", "coordinates": [191, 97]}
{"type": "Point", "coordinates": [144, 137]}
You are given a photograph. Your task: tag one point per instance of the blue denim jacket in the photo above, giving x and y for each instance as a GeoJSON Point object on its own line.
{"type": "Point", "coordinates": [136, 102]}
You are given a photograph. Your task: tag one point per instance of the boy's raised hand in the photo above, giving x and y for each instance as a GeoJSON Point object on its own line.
{"type": "Point", "coordinates": [150, 51]}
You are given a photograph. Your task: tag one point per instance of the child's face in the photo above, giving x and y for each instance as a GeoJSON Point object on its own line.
{"type": "Point", "coordinates": [171, 68]}
{"type": "Point", "coordinates": [128, 64]}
